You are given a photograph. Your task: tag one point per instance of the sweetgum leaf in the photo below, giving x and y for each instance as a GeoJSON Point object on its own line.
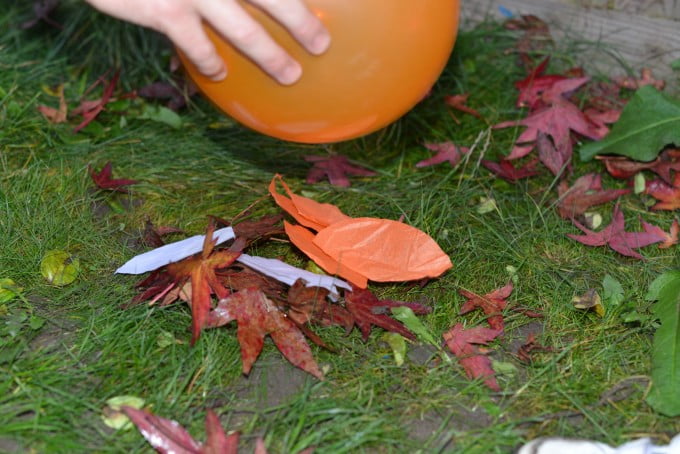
{"type": "Point", "coordinates": [649, 122]}
{"type": "Point", "coordinates": [664, 395]}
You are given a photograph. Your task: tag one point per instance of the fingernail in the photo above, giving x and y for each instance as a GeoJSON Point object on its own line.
{"type": "Point", "coordinates": [290, 74]}
{"type": "Point", "coordinates": [320, 43]}
{"type": "Point", "coordinates": [219, 76]}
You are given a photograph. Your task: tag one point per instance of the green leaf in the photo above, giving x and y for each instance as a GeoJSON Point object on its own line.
{"type": "Point", "coordinates": [162, 115]}
{"type": "Point", "coordinates": [649, 122]}
{"type": "Point", "coordinates": [612, 291]}
{"type": "Point", "coordinates": [8, 290]}
{"type": "Point", "coordinates": [398, 345]}
{"type": "Point", "coordinates": [59, 267]}
{"type": "Point", "coordinates": [664, 395]}
{"type": "Point", "coordinates": [406, 316]}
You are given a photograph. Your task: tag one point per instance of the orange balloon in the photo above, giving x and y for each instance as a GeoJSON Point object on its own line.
{"type": "Point", "coordinates": [384, 57]}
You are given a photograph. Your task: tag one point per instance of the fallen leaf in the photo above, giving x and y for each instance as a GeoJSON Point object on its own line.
{"type": "Point", "coordinates": [648, 124]}
{"type": "Point", "coordinates": [670, 238]}
{"type": "Point", "coordinates": [531, 87]}
{"type": "Point", "coordinates": [398, 346]}
{"type": "Point", "coordinates": [668, 196]}
{"type": "Point", "coordinates": [8, 290]}
{"type": "Point", "coordinates": [506, 170]}
{"type": "Point", "coordinates": [113, 415]}
{"type": "Point", "coordinates": [459, 102]}
{"type": "Point", "coordinates": [584, 193]}
{"type": "Point", "coordinates": [368, 310]}
{"type": "Point", "coordinates": [59, 267]}
{"type": "Point", "coordinates": [646, 78]}
{"type": "Point", "coordinates": [589, 300]}
{"type": "Point", "coordinates": [168, 437]}
{"type": "Point", "coordinates": [664, 394]}
{"type": "Point", "coordinates": [336, 167]}
{"type": "Point", "coordinates": [615, 236]}
{"type": "Point", "coordinates": [58, 115]}
{"type": "Point", "coordinates": [91, 109]}
{"type": "Point", "coordinates": [492, 304]}
{"type": "Point", "coordinates": [624, 168]}
{"type": "Point", "coordinates": [524, 353]}
{"type": "Point", "coordinates": [257, 317]}
{"type": "Point", "coordinates": [104, 181]}
{"type": "Point", "coordinates": [445, 152]}
{"type": "Point", "coordinates": [556, 159]}
{"type": "Point", "coordinates": [311, 305]}
{"type": "Point", "coordinates": [464, 344]}
{"type": "Point", "coordinates": [258, 229]}
{"type": "Point", "coordinates": [153, 236]}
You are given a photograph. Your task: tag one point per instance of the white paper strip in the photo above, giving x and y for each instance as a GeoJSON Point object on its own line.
{"type": "Point", "coordinates": [288, 274]}
{"type": "Point", "coordinates": [276, 269]}
{"type": "Point", "coordinates": [172, 252]}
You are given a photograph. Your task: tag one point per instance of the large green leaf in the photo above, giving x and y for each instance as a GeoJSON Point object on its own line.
{"type": "Point", "coordinates": [649, 122]}
{"type": "Point", "coordinates": [664, 396]}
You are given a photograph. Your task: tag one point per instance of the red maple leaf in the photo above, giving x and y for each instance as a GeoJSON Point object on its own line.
{"type": "Point", "coordinates": [445, 152]}
{"type": "Point", "coordinates": [615, 236]}
{"type": "Point", "coordinates": [90, 109]}
{"type": "Point", "coordinates": [257, 317]}
{"type": "Point", "coordinates": [492, 304]}
{"type": "Point", "coordinates": [311, 305]}
{"type": "Point", "coordinates": [193, 279]}
{"type": "Point", "coordinates": [336, 168]}
{"type": "Point", "coordinates": [624, 168]}
{"type": "Point", "coordinates": [459, 102]}
{"type": "Point", "coordinates": [153, 236]}
{"type": "Point", "coordinates": [669, 196]}
{"type": "Point", "coordinates": [368, 310]}
{"type": "Point", "coordinates": [532, 87]}
{"type": "Point", "coordinates": [670, 238]}
{"type": "Point", "coordinates": [103, 179]}
{"type": "Point", "coordinates": [506, 170]}
{"type": "Point", "coordinates": [556, 158]}
{"type": "Point", "coordinates": [463, 343]}
{"type": "Point", "coordinates": [167, 436]}
{"type": "Point", "coordinates": [646, 78]}
{"type": "Point", "coordinates": [584, 193]}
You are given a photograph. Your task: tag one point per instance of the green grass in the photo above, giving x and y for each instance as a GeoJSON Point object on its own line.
{"type": "Point", "coordinates": [55, 379]}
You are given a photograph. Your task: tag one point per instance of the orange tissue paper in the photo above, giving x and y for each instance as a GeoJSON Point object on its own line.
{"type": "Point", "coordinates": [359, 249]}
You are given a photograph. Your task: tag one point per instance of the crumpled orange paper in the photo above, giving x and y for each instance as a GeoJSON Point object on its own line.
{"type": "Point", "coordinates": [359, 249]}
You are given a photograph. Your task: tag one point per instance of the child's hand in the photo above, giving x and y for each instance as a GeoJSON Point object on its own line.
{"type": "Point", "coordinates": [181, 21]}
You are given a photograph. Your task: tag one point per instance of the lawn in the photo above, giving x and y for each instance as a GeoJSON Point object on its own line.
{"type": "Point", "coordinates": [65, 350]}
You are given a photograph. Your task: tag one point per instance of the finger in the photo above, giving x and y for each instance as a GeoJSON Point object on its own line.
{"type": "Point", "coordinates": [245, 33]}
{"type": "Point", "coordinates": [302, 23]}
{"type": "Point", "coordinates": [189, 36]}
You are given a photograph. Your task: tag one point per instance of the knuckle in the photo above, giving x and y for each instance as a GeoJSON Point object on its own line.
{"type": "Point", "coordinates": [245, 35]}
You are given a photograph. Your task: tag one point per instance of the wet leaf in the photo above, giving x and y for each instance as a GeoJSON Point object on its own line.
{"type": "Point", "coordinates": [584, 193]}
{"type": "Point", "coordinates": [336, 168]}
{"type": "Point", "coordinates": [257, 317]}
{"type": "Point", "coordinates": [8, 290]}
{"type": "Point", "coordinates": [589, 300]}
{"type": "Point", "coordinates": [398, 346]}
{"type": "Point", "coordinates": [164, 435]}
{"type": "Point", "coordinates": [445, 152]}
{"type": "Point", "coordinates": [493, 304]}
{"type": "Point", "coordinates": [59, 267]}
{"type": "Point", "coordinates": [649, 122]}
{"type": "Point", "coordinates": [368, 310]}
{"type": "Point", "coordinates": [615, 236]}
{"type": "Point", "coordinates": [464, 344]}
{"type": "Point", "coordinates": [104, 181]}
{"type": "Point", "coordinates": [612, 291]}
{"type": "Point", "coordinates": [664, 395]}
{"type": "Point", "coordinates": [506, 170]}
{"type": "Point", "coordinates": [161, 114]}
{"type": "Point", "coordinates": [114, 416]}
